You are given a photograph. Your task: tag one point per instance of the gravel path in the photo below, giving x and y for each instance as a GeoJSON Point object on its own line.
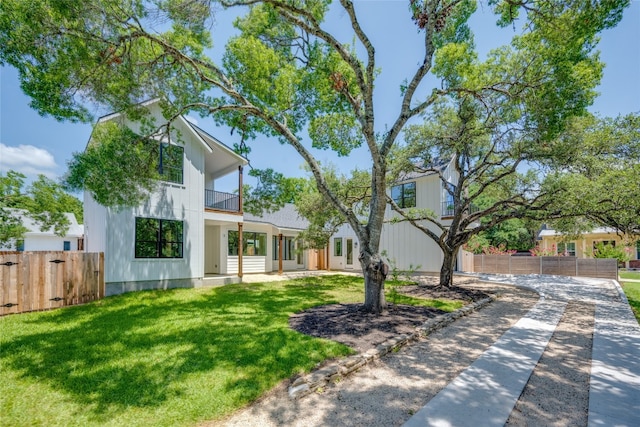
{"type": "Point", "coordinates": [557, 393]}
{"type": "Point", "coordinates": [390, 391]}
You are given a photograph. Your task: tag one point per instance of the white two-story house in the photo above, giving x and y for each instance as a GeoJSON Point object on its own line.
{"type": "Point", "coordinates": [403, 244]}
{"type": "Point", "coordinates": [187, 234]}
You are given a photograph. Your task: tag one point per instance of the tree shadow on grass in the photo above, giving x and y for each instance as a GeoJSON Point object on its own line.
{"type": "Point", "coordinates": [148, 349]}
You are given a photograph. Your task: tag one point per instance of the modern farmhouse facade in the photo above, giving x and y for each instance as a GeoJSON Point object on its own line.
{"type": "Point", "coordinates": [406, 247]}
{"type": "Point", "coordinates": [187, 234]}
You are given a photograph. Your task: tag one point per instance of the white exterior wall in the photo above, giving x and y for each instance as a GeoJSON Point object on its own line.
{"type": "Point", "coordinates": [183, 202]}
{"type": "Point", "coordinates": [340, 262]}
{"type": "Point", "coordinates": [95, 225]}
{"type": "Point", "coordinates": [404, 244]}
{"type": "Point", "coordinates": [49, 243]}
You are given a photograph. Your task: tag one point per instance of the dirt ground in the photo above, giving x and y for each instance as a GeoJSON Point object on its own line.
{"type": "Point", "coordinates": [347, 324]}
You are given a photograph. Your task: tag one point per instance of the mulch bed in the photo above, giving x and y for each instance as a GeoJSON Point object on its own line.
{"type": "Point", "coordinates": [349, 325]}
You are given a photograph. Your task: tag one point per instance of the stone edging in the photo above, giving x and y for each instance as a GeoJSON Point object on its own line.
{"type": "Point", "coordinates": [337, 370]}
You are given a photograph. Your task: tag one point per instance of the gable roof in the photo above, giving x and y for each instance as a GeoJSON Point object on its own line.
{"type": "Point", "coordinates": [285, 218]}
{"type": "Point", "coordinates": [438, 164]}
{"type": "Point", "coordinates": [209, 142]}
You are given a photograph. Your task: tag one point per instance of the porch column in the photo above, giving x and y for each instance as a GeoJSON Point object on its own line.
{"type": "Point", "coordinates": [240, 246]}
{"type": "Point", "coordinates": [280, 253]}
{"type": "Point", "coordinates": [240, 189]}
{"type": "Point", "coordinates": [328, 252]}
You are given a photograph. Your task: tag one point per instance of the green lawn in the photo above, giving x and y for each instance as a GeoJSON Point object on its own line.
{"type": "Point", "coordinates": [163, 357]}
{"type": "Point", "coordinates": [635, 275]}
{"type": "Point", "coordinates": [632, 291]}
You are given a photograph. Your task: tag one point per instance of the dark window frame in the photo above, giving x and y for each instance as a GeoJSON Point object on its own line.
{"type": "Point", "coordinates": [250, 239]}
{"type": "Point", "coordinates": [169, 172]}
{"type": "Point", "coordinates": [562, 247]}
{"type": "Point", "coordinates": [337, 246]}
{"type": "Point", "coordinates": [288, 247]}
{"type": "Point", "coordinates": [404, 194]}
{"type": "Point", "coordinates": [159, 246]}
{"type": "Point", "coordinates": [66, 245]}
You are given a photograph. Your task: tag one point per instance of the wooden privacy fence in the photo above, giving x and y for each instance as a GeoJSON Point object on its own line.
{"type": "Point", "coordinates": [31, 281]}
{"type": "Point", "coordinates": [556, 265]}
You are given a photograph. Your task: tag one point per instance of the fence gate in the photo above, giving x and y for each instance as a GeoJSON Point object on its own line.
{"type": "Point", "coordinates": [31, 281]}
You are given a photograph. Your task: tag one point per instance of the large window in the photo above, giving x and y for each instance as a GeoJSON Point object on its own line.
{"type": "Point", "coordinates": [253, 244]}
{"type": "Point", "coordinates": [170, 163]}
{"type": "Point", "coordinates": [159, 238]}
{"type": "Point", "coordinates": [337, 246]}
{"type": "Point", "coordinates": [288, 248]}
{"type": "Point", "coordinates": [404, 195]}
{"type": "Point", "coordinates": [638, 249]}
{"type": "Point", "coordinates": [567, 249]}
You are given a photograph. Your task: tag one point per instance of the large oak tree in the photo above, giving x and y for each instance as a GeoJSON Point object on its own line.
{"type": "Point", "coordinates": [287, 76]}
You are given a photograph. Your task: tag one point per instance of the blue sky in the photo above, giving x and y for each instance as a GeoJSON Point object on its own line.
{"type": "Point", "coordinates": [33, 144]}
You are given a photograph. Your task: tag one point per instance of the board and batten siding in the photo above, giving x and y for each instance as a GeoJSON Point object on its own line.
{"type": "Point", "coordinates": [183, 202]}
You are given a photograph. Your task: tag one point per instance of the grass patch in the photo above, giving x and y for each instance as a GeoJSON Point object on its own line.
{"type": "Point", "coordinates": [163, 357]}
{"type": "Point", "coordinates": [632, 291]}
{"type": "Point", "coordinates": [635, 275]}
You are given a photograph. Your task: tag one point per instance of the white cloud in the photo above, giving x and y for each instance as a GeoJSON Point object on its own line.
{"type": "Point", "coordinates": [27, 159]}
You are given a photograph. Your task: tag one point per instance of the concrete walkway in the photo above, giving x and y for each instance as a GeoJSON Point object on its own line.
{"type": "Point", "coordinates": [486, 392]}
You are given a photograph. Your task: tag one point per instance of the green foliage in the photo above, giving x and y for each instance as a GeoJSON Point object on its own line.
{"type": "Point", "coordinates": [44, 201]}
{"type": "Point", "coordinates": [600, 175]}
{"type": "Point", "coordinates": [602, 250]}
{"type": "Point", "coordinates": [273, 191]}
{"type": "Point", "coordinates": [284, 75]}
{"type": "Point", "coordinates": [115, 159]}
{"type": "Point", "coordinates": [324, 219]}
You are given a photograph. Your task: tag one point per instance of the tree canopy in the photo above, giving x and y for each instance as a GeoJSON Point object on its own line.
{"type": "Point", "coordinates": [44, 200]}
{"type": "Point", "coordinates": [285, 74]}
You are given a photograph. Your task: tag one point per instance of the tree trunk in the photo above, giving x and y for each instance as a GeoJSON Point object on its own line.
{"type": "Point", "coordinates": [447, 269]}
{"type": "Point", "coordinates": [375, 272]}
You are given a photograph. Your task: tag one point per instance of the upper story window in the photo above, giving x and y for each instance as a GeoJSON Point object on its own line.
{"type": "Point", "coordinates": [448, 200]}
{"type": "Point", "coordinates": [159, 238]}
{"type": "Point", "coordinates": [170, 163]}
{"type": "Point", "coordinates": [404, 194]}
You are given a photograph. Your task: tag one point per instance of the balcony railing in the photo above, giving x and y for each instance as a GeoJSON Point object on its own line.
{"type": "Point", "coordinates": [448, 209]}
{"type": "Point", "coordinates": [221, 201]}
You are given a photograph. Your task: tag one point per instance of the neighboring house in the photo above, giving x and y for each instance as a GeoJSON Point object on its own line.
{"type": "Point", "coordinates": [405, 246]}
{"type": "Point", "coordinates": [187, 234]}
{"type": "Point", "coordinates": [36, 240]}
{"type": "Point", "coordinates": [583, 247]}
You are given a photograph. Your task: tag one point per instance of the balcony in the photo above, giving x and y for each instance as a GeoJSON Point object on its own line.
{"type": "Point", "coordinates": [448, 209]}
{"type": "Point", "coordinates": [220, 201]}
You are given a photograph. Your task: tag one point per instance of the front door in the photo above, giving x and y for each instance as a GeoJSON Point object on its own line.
{"type": "Point", "coordinates": [349, 263]}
